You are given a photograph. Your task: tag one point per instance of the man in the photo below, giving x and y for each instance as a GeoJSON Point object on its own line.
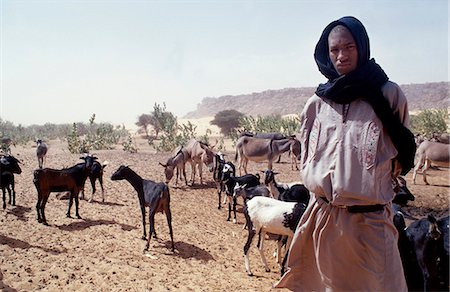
{"type": "Point", "coordinates": [354, 139]}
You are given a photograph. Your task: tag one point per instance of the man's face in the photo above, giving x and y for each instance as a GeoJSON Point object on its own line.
{"type": "Point", "coordinates": [342, 50]}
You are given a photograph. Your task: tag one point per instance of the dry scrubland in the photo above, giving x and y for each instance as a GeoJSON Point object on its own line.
{"type": "Point", "coordinates": [103, 251]}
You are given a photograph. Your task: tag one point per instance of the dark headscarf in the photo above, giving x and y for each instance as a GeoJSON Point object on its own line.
{"type": "Point", "coordinates": [363, 82]}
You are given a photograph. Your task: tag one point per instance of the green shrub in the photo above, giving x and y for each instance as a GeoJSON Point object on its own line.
{"type": "Point", "coordinates": [429, 121]}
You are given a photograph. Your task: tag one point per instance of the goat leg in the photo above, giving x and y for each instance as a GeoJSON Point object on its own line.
{"type": "Point", "coordinates": [42, 207]}
{"type": "Point", "coordinates": [260, 245]}
{"type": "Point", "coordinates": [76, 206]}
{"type": "Point", "coordinates": [169, 222]}
{"type": "Point", "coordinates": [251, 234]}
{"type": "Point", "coordinates": [144, 236]}
{"type": "Point", "coordinates": [4, 199]}
{"type": "Point", "coordinates": [151, 219]}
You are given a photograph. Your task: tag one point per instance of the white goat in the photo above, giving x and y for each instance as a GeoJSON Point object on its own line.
{"type": "Point", "coordinates": [267, 215]}
{"type": "Point", "coordinates": [41, 151]}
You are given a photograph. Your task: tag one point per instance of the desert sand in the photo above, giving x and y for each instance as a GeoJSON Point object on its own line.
{"type": "Point", "coordinates": [104, 250]}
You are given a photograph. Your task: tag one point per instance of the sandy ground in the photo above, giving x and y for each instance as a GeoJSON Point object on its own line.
{"type": "Point", "coordinates": [104, 250]}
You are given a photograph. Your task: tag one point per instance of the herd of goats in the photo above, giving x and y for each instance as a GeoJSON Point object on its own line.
{"type": "Point", "coordinates": [271, 209]}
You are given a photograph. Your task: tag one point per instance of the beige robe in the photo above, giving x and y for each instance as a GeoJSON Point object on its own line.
{"type": "Point", "coordinates": [347, 158]}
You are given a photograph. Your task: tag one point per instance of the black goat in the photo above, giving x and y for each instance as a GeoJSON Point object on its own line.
{"type": "Point", "coordinates": [95, 174]}
{"type": "Point", "coordinates": [154, 195]}
{"type": "Point", "coordinates": [220, 165]}
{"type": "Point", "coordinates": [230, 181]}
{"type": "Point", "coordinates": [402, 193]}
{"type": "Point", "coordinates": [421, 245]}
{"type": "Point", "coordinates": [71, 179]}
{"type": "Point", "coordinates": [9, 165]}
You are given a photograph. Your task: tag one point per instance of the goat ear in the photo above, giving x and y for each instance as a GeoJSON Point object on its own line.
{"type": "Point", "coordinates": [276, 173]}
{"type": "Point", "coordinates": [163, 165]}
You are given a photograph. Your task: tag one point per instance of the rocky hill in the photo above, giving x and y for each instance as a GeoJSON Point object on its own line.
{"type": "Point", "coordinates": [291, 100]}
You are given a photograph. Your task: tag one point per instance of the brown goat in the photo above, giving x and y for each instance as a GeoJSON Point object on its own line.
{"type": "Point", "coordinates": [70, 179]}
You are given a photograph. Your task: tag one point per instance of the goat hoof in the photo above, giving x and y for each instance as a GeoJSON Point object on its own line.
{"type": "Point", "coordinates": [144, 237]}
{"type": "Point", "coordinates": [45, 223]}
{"type": "Point", "coordinates": [91, 200]}
{"type": "Point", "coordinates": [250, 274]}
{"type": "Point", "coordinates": [68, 216]}
{"type": "Point", "coordinates": [79, 217]}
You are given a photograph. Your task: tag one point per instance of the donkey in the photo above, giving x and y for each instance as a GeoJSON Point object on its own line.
{"type": "Point", "coordinates": [154, 195]}
{"type": "Point", "coordinates": [431, 152]}
{"type": "Point", "coordinates": [255, 149]}
{"type": "Point", "coordinates": [198, 154]}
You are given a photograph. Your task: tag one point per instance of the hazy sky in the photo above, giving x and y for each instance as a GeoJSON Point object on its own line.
{"type": "Point", "coordinates": [62, 60]}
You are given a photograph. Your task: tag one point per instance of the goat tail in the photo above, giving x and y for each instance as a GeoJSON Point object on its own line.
{"type": "Point", "coordinates": [105, 163]}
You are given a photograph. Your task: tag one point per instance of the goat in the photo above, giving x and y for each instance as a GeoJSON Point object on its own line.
{"type": "Point", "coordinates": [178, 161]}
{"type": "Point", "coordinates": [71, 179]}
{"type": "Point", "coordinates": [288, 192]}
{"type": "Point", "coordinates": [152, 194]}
{"type": "Point", "coordinates": [247, 193]}
{"type": "Point", "coordinates": [266, 215]}
{"type": "Point", "coordinates": [95, 174]}
{"type": "Point", "coordinates": [8, 166]}
{"type": "Point", "coordinates": [230, 181]}
{"type": "Point", "coordinates": [420, 245]}
{"type": "Point", "coordinates": [221, 166]}
{"type": "Point", "coordinates": [444, 260]}
{"type": "Point", "coordinates": [402, 193]}
{"type": "Point", "coordinates": [41, 152]}
{"type": "Point", "coordinates": [428, 152]}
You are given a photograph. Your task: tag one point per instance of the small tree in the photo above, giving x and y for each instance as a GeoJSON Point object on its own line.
{"type": "Point", "coordinates": [227, 121]}
{"type": "Point", "coordinates": [143, 122]}
{"type": "Point", "coordinates": [429, 121]}
{"type": "Point", "coordinates": [161, 119]}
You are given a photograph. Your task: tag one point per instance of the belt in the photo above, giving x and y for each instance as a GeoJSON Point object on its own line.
{"type": "Point", "coordinates": [359, 208]}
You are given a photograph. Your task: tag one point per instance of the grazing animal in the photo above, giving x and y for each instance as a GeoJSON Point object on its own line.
{"type": "Point", "coordinates": [270, 135]}
{"type": "Point", "coordinates": [71, 179]}
{"type": "Point", "coordinates": [255, 149]}
{"type": "Point", "coordinates": [402, 193]}
{"type": "Point", "coordinates": [431, 152]}
{"type": "Point", "coordinates": [9, 165]}
{"type": "Point", "coordinates": [221, 166]}
{"type": "Point", "coordinates": [41, 152]}
{"type": "Point", "coordinates": [420, 246]}
{"type": "Point", "coordinates": [177, 161]}
{"type": "Point", "coordinates": [266, 215]}
{"type": "Point", "coordinates": [442, 138]}
{"type": "Point", "coordinates": [292, 192]}
{"type": "Point", "coordinates": [154, 195]}
{"type": "Point", "coordinates": [249, 180]}
{"type": "Point", "coordinates": [444, 255]}
{"type": "Point", "coordinates": [295, 153]}
{"type": "Point", "coordinates": [95, 174]}
{"type": "Point", "coordinates": [248, 193]}
{"type": "Point", "coordinates": [198, 154]}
